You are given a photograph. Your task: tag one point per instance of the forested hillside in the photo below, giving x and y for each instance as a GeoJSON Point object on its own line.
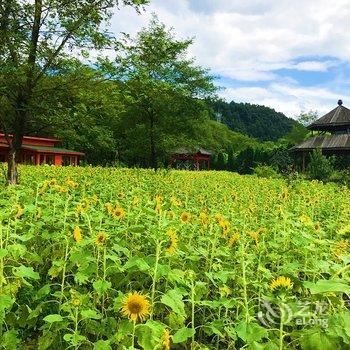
{"type": "Point", "coordinates": [257, 121]}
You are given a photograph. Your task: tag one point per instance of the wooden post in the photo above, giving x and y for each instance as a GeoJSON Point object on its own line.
{"type": "Point", "coordinates": [37, 159]}
{"type": "Point", "coordinates": [303, 162]}
{"type": "Point", "coordinates": [196, 163]}
{"type": "Point", "coordinates": [58, 159]}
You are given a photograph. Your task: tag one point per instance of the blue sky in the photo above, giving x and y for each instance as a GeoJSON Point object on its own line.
{"type": "Point", "coordinates": [292, 56]}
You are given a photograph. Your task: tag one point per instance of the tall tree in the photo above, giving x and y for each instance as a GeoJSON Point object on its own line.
{"type": "Point", "coordinates": [165, 92]}
{"type": "Point", "coordinates": [38, 39]}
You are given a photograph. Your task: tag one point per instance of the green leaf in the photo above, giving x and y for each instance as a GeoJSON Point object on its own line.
{"type": "Point", "coordinates": [101, 286]}
{"type": "Point", "coordinates": [136, 229]}
{"type": "Point", "coordinates": [75, 338]}
{"type": "Point", "coordinates": [318, 341]}
{"type": "Point", "coordinates": [91, 314]}
{"type": "Point", "coordinates": [3, 252]}
{"type": "Point", "coordinates": [327, 286]}
{"type": "Point", "coordinates": [149, 334]}
{"type": "Point", "coordinates": [250, 332]}
{"type": "Point", "coordinates": [173, 299]}
{"type": "Point", "coordinates": [10, 340]}
{"type": "Point", "coordinates": [102, 345]}
{"type": "Point", "coordinates": [138, 263]}
{"type": "Point", "coordinates": [43, 291]}
{"type": "Point", "coordinates": [53, 318]}
{"type": "Point", "coordinates": [26, 272]}
{"type": "Point", "coordinates": [80, 278]}
{"type": "Point", "coordinates": [183, 334]}
{"type": "Point", "coordinates": [6, 303]}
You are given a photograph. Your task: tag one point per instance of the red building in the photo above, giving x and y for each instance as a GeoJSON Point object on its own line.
{"type": "Point", "coordinates": [39, 150]}
{"type": "Point", "coordinates": [195, 159]}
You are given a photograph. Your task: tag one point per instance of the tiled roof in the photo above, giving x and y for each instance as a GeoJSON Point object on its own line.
{"type": "Point", "coordinates": [194, 150]}
{"type": "Point", "coordinates": [340, 142]}
{"type": "Point", "coordinates": [336, 119]}
{"type": "Point", "coordinates": [45, 149]}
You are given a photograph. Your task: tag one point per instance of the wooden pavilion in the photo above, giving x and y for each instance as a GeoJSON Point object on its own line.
{"type": "Point", "coordinates": [40, 150]}
{"type": "Point", "coordinates": [195, 159]}
{"type": "Point", "coordinates": [333, 136]}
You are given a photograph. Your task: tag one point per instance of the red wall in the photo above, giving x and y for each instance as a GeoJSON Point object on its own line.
{"type": "Point", "coordinates": [34, 141]}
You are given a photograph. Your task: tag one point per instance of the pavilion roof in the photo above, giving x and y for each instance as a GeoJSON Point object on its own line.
{"type": "Point", "coordinates": [330, 143]}
{"type": "Point", "coordinates": [195, 150]}
{"type": "Point", "coordinates": [336, 119]}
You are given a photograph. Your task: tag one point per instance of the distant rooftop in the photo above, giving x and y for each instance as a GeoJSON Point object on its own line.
{"type": "Point", "coordinates": [331, 143]}
{"type": "Point", "coordinates": [336, 120]}
{"type": "Point", "coordinates": [194, 150]}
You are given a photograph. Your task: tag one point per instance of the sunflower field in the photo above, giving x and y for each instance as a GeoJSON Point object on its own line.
{"type": "Point", "coordinates": [103, 258]}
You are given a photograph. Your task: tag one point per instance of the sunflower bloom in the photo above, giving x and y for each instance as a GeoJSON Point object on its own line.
{"type": "Point", "coordinates": [317, 226]}
{"type": "Point", "coordinates": [255, 235]}
{"type": "Point", "coordinates": [158, 208]}
{"type": "Point", "coordinates": [219, 217]}
{"type": "Point", "coordinates": [225, 225]}
{"type": "Point", "coordinates": [101, 238]}
{"type": "Point", "coordinates": [135, 306]}
{"type": "Point", "coordinates": [170, 214]}
{"type": "Point", "coordinates": [234, 238]}
{"type": "Point", "coordinates": [166, 339]}
{"type": "Point", "coordinates": [71, 183]}
{"type": "Point", "coordinates": [285, 193]}
{"type": "Point", "coordinates": [78, 209]}
{"type": "Point", "coordinates": [119, 212]}
{"type": "Point", "coordinates": [203, 217]}
{"type": "Point", "coordinates": [281, 282]}
{"type": "Point", "coordinates": [77, 234]}
{"type": "Point", "coordinates": [185, 217]}
{"type": "Point", "coordinates": [173, 241]}
{"type": "Point", "coordinates": [340, 248]}
{"type": "Point", "coordinates": [18, 211]}
{"type": "Point", "coordinates": [38, 213]}
{"type": "Point", "coordinates": [305, 219]}
{"type": "Point", "coordinates": [109, 208]}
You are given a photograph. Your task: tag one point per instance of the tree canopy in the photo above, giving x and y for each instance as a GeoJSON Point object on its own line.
{"type": "Point", "coordinates": [164, 94]}
{"type": "Point", "coordinates": [257, 121]}
{"type": "Point", "coordinates": [39, 42]}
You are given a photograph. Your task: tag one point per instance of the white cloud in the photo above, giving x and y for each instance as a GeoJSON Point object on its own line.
{"type": "Point", "coordinates": [249, 40]}
{"type": "Point", "coordinates": [285, 98]}
{"type": "Point", "coordinates": [313, 66]}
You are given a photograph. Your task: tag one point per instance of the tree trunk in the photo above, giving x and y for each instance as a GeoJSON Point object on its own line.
{"type": "Point", "coordinates": [12, 171]}
{"type": "Point", "coordinates": [154, 160]}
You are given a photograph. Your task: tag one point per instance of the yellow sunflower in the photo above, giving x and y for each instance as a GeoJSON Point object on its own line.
{"type": "Point", "coordinates": [281, 282]}
{"type": "Point", "coordinates": [185, 217]}
{"type": "Point", "coordinates": [173, 241]}
{"type": "Point", "coordinates": [109, 208]}
{"type": "Point", "coordinates": [77, 234]}
{"type": "Point", "coordinates": [158, 208]}
{"type": "Point", "coordinates": [119, 212]}
{"type": "Point", "coordinates": [18, 211]}
{"type": "Point", "coordinates": [203, 217]}
{"type": "Point", "coordinates": [135, 306]}
{"type": "Point", "coordinates": [233, 239]}
{"type": "Point", "coordinates": [166, 339]}
{"type": "Point", "coordinates": [101, 238]}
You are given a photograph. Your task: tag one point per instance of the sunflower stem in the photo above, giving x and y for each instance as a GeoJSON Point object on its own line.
{"type": "Point", "coordinates": [281, 333]}
{"type": "Point", "coordinates": [192, 310]}
{"type": "Point", "coordinates": [133, 336]}
{"type": "Point", "coordinates": [154, 278]}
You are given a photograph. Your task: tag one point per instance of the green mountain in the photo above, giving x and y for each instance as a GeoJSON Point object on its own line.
{"type": "Point", "coordinates": [260, 122]}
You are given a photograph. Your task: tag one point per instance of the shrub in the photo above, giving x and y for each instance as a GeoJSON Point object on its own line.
{"type": "Point", "coordinates": [266, 171]}
{"type": "Point", "coordinates": [319, 167]}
